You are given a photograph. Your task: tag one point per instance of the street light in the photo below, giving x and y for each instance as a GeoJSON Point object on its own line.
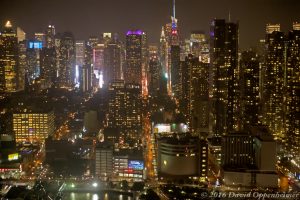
{"type": "Point", "coordinates": [95, 184]}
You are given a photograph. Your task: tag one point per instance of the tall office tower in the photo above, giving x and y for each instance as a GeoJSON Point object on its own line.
{"type": "Point", "coordinates": [9, 63]}
{"type": "Point", "coordinates": [145, 64]}
{"type": "Point", "coordinates": [184, 102]}
{"type": "Point", "coordinates": [274, 83]}
{"type": "Point", "coordinates": [163, 56]}
{"type": "Point", "coordinates": [198, 96]}
{"type": "Point", "coordinates": [93, 41]}
{"type": "Point", "coordinates": [112, 62]}
{"type": "Point", "coordinates": [175, 71]}
{"type": "Point", "coordinates": [33, 59]}
{"type": "Point", "coordinates": [40, 37]}
{"type": "Point", "coordinates": [33, 124]}
{"type": "Point", "coordinates": [48, 65]}
{"type": "Point", "coordinates": [22, 64]}
{"type": "Point", "coordinates": [249, 86]}
{"type": "Point", "coordinates": [133, 106]}
{"type": "Point", "coordinates": [21, 34]}
{"type": "Point", "coordinates": [87, 70]}
{"type": "Point", "coordinates": [154, 71]}
{"type": "Point", "coordinates": [57, 41]}
{"type": "Point", "coordinates": [125, 108]}
{"type": "Point", "coordinates": [224, 65]}
{"type": "Point", "coordinates": [49, 37]}
{"type": "Point", "coordinates": [79, 59]}
{"type": "Point", "coordinates": [66, 70]}
{"type": "Point", "coordinates": [133, 70]}
{"type": "Point", "coordinates": [98, 62]}
{"type": "Point", "coordinates": [175, 56]}
{"type": "Point", "coordinates": [199, 46]}
{"type": "Point", "coordinates": [292, 85]}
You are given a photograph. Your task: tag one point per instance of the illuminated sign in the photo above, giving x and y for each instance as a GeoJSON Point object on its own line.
{"type": "Point", "coordinates": [162, 128]}
{"type": "Point", "coordinates": [14, 156]}
{"type": "Point", "coordinates": [35, 45]}
{"type": "Point", "coordinates": [136, 164]}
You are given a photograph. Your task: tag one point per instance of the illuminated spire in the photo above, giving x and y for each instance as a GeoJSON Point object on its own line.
{"type": "Point", "coordinates": [173, 18]}
{"type": "Point", "coordinates": [162, 35]}
{"type": "Point", "coordinates": [174, 9]}
{"type": "Point", "coordinates": [8, 24]}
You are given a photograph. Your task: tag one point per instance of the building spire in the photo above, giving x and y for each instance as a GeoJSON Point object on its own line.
{"type": "Point", "coordinates": [162, 35]}
{"type": "Point", "coordinates": [174, 9]}
{"type": "Point", "coordinates": [229, 16]}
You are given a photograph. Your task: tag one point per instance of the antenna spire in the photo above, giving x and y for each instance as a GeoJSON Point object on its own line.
{"type": "Point", "coordinates": [174, 9]}
{"type": "Point", "coordinates": [229, 16]}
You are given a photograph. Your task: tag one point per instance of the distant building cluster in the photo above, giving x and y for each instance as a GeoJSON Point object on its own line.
{"type": "Point", "coordinates": [175, 111]}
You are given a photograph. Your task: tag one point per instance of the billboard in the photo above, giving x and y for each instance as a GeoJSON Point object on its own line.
{"type": "Point", "coordinates": [13, 156]}
{"type": "Point", "coordinates": [136, 164]}
{"type": "Point", "coordinates": [35, 45]}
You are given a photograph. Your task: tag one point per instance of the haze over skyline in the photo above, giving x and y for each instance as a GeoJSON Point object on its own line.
{"type": "Point", "coordinates": [91, 17]}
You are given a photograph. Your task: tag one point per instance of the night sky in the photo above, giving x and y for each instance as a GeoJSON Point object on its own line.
{"type": "Point", "coordinates": [91, 17]}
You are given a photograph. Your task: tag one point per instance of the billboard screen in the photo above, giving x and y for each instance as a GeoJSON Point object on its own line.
{"type": "Point", "coordinates": [35, 45]}
{"type": "Point", "coordinates": [136, 164]}
{"type": "Point", "coordinates": [14, 156]}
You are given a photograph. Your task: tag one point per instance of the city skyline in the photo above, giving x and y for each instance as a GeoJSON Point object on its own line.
{"type": "Point", "coordinates": [90, 106]}
{"type": "Point", "coordinates": [93, 17]}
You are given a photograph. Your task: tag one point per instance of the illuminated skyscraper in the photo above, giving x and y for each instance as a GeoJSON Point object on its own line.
{"type": "Point", "coordinates": [40, 37]}
{"type": "Point", "coordinates": [9, 65]}
{"type": "Point", "coordinates": [125, 108]}
{"type": "Point", "coordinates": [48, 65]}
{"type": "Point", "coordinates": [163, 58]}
{"type": "Point", "coordinates": [133, 70]}
{"type": "Point", "coordinates": [66, 70]}
{"type": "Point", "coordinates": [22, 63]}
{"type": "Point", "coordinates": [112, 62]}
{"type": "Point", "coordinates": [49, 37]}
{"type": "Point", "coordinates": [79, 60]}
{"type": "Point", "coordinates": [249, 79]}
{"type": "Point", "coordinates": [224, 66]}
{"type": "Point", "coordinates": [93, 41]}
{"type": "Point", "coordinates": [98, 62]}
{"type": "Point", "coordinates": [87, 70]}
{"type": "Point", "coordinates": [274, 83]}
{"type": "Point", "coordinates": [199, 46]}
{"type": "Point", "coordinates": [21, 34]}
{"type": "Point", "coordinates": [155, 71]}
{"type": "Point", "coordinates": [33, 59]}
{"type": "Point", "coordinates": [292, 85]}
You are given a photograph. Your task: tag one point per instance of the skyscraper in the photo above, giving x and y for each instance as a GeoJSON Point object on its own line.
{"type": "Point", "coordinates": [49, 37]}
{"type": "Point", "coordinates": [154, 70]}
{"type": "Point", "coordinates": [292, 85]}
{"type": "Point", "coordinates": [199, 98]}
{"type": "Point", "coordinates": [224, 66]}
{"type": "Point", "coordinates": [133, 70]}
{"type": "Point", "coordinates": [163, 58]}
{"type": "Point", "coordinates": [86, 71]}
{"type": "Point", "coordinates": [79, 60]}
{"type": "Point", "coordinates": [66, 70]}
{"type": "Point", "coordinates": [9, 64]}
{"type": "Point", "coordinates": [274, 83]}
{"type": "Point", "coordinates": [249, 86]}
{"type": "Point", "coordinates": [125, 108]}
{"type": "Point", "coordinates": [112, 62]}
{"type": "Point", "coordinates": [48, 65]}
